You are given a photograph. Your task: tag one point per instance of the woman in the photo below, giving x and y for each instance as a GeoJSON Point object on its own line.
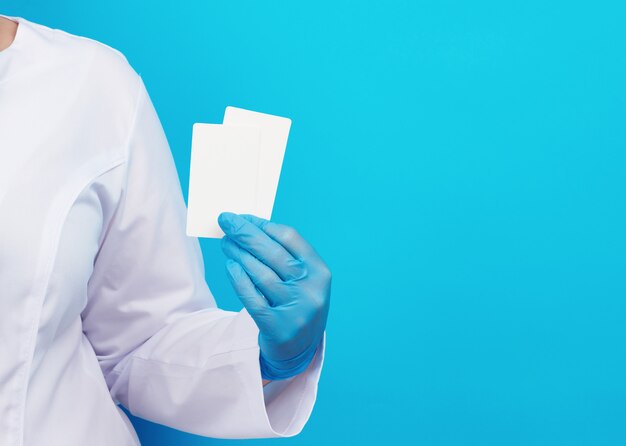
{"type": "Point", "coordinates": [103, 296]}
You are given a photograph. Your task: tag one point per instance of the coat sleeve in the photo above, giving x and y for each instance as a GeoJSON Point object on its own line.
{"type": "Point", "coordinates": [168, 354]}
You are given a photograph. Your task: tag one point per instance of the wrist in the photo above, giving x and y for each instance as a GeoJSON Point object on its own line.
{"type": "Point", "coordinates": [275, 370]}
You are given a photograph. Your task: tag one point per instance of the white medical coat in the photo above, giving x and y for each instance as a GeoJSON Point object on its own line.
{"type": "Point", "coordinates": [103, 298]}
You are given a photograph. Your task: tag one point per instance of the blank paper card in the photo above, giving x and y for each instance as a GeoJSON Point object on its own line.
{"type": "Point", "coordinates": [222, 177]}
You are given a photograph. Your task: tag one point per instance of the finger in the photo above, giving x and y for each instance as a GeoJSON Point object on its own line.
{"type": "Point", "coordinates": [244, 288]}
{"type": "Point", "coordinates": [287, 236]}
{"type": "Point", "coordinates": [259, 244]}
{"type": "Point", "coordinates": [263, 277]}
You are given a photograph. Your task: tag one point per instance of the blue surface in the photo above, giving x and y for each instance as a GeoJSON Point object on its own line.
{"type": "Point", "coordinates": [460, 165]}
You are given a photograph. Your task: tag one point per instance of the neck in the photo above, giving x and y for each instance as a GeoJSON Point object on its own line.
{"type": "Point", "coordinates": [8, 28]}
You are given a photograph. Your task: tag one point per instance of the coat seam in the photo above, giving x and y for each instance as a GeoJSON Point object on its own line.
{"type": "Point", "coordinates": [39, 286]}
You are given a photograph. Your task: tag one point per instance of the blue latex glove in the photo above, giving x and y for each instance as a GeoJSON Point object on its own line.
{"type": "Point", "coordinates": [284, 285]}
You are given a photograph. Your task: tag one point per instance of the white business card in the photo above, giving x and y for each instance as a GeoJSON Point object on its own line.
{"type": "Point", "coordinates": [223, 176]}
{"type": "Point", "coordinates": [273, 142]}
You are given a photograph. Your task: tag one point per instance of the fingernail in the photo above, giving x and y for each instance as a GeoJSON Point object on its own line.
{"type": "Point", "coordinates": [231, 265]}
{"type": "Point", "coordinates": [224, 242]}
{"type": "Point", "coordinates": [300, 267]}
{"type": "Point", "coordinates": [225, 220]}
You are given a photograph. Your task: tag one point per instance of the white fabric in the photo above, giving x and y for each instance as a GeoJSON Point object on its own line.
{"type": "Point", "coordinates": [102, 295]}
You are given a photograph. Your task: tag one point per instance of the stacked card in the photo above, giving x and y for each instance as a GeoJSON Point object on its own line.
{"type": "Point", "coordinates": [235, 167]}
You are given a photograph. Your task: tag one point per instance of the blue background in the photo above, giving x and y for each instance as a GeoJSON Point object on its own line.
{"type": "Point", "coordinates": [460, 165]}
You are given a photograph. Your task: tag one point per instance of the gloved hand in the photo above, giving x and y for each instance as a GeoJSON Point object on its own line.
{"type": "Point", "coordinates": [284, 285]}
